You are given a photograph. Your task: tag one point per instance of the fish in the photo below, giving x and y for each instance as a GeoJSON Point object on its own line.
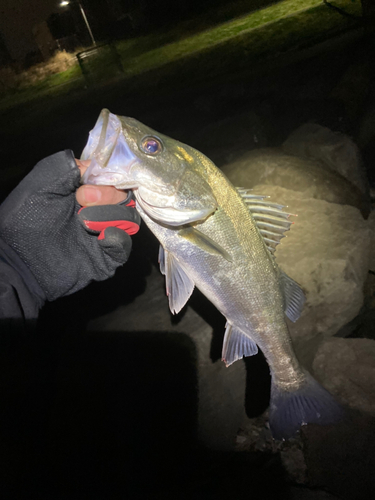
{"type": "Point", "coordinates": [220, 239]}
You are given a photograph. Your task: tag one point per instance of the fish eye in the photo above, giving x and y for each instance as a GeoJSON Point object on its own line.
{"type": "Point", "coordinates": [151, 145]}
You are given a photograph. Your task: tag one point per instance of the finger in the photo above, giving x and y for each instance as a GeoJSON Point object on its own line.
{"type": "Point", "coordinates": [89, 195]}
{"type": "Point", "coordinates": [82, 165]}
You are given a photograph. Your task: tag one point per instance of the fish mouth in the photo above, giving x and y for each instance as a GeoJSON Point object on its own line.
{"type": "Point", "coordinates": [115, 176]}
{"type": "Point", "coordinates": [169, 215]}
{"type": "Point", "coordinates": [104, 179]}
{"type": "Point", "coordinates": [111, 158]}
{"type": "Point", "coordinates": [102, 138]}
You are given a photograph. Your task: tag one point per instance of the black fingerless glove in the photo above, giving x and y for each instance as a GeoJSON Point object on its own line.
{"type": "Point", "coordinates": [63, 245]}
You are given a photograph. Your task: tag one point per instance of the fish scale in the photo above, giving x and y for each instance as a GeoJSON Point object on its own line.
{"type": "Point", "coordinates": [246, 290]}
{"type": "Point", "coordinates": [221, 240]}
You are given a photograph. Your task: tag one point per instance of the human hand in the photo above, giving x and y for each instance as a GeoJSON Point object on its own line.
{"type": "Point", "coordinates": [89, 195]}
{"type": "Point", "coordinates": [43, 223]}
{"type": "Point", "coordinates": [101, 206]}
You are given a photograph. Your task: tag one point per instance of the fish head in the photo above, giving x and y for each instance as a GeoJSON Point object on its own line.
{"type": "Point", "coordinates": [129, 155]}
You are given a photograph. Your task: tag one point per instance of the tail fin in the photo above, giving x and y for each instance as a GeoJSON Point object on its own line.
{"type": "Point", "coordinates": [310, 404]}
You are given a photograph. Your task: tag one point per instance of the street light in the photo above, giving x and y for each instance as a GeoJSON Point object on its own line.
{"type": "Point", "coordinates": [64, 3]}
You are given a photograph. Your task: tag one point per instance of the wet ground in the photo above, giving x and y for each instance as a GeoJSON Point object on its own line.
{"type": "Point", "coordinates": [107, 412]}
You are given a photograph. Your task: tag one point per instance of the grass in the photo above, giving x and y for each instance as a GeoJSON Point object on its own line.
{"type": "Point", "coordinates": [52, 85]}
{"type": "Point", "coordinates": [197, 51]}
{"type": "Point", "coordinates": [56, 80]}
{"type": "Point", "coordinates": [291, 23]}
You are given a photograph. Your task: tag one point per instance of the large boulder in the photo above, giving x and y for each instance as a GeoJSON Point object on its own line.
{"type": "Point", "coordinates": [273, 167]}
{"type": "Point", "coordinates": [333, 150]}
{"type": "Point", "coordinates": [371, 221]}
{"type": "Point", "coordinates": [327, 252]}
{"type": "Point", "coordinates": [346, 367]}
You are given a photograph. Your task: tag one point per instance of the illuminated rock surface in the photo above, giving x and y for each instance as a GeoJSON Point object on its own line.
{"type": "Point", "coordinates": [346, 367]}
{"type": "Point", "coordinates": [334, 150]}
{"type": "Point", "coordinates": [273, 167]}
{"type": "Point", "coordinates": [327, 252]}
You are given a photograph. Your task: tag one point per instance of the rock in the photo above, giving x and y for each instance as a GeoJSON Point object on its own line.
{"type": "Point", "coordinates": [272, 166]}
{"type": "Point", "coordinates": [333, 150]}
{"type": "Point", "coordinates": [363, 325]}
{"type": "Point", "coordinates": [327, 252]}
{"type": "Point", "coordinates": [341, 458]}
{"type": "Point", "coordinates": [255, 436]}
{"type": "Point", "coordinates": [346, 367]}
{"type": "Point", "coordinates": [294, 463]}
{"type": "Point", "coordinates": [371, 221]}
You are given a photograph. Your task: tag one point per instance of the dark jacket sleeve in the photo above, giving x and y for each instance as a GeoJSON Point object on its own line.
{"type": "Point", "coordinates": [20, 295]}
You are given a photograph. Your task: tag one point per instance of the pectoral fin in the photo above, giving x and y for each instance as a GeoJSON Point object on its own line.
{"type": "Point", "coordinates": [203, 242]}
{"type": "Point", "coordinates": [236, 345]}
{"type": "Point", "coordinates": [179, 286]}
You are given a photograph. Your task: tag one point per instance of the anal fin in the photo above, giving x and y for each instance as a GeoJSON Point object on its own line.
{"type": "Point", "coordinates": [236, 345]}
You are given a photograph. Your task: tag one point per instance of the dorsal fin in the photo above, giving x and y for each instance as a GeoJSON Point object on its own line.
{"type": "Point", "coordinates": [269, 217]}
